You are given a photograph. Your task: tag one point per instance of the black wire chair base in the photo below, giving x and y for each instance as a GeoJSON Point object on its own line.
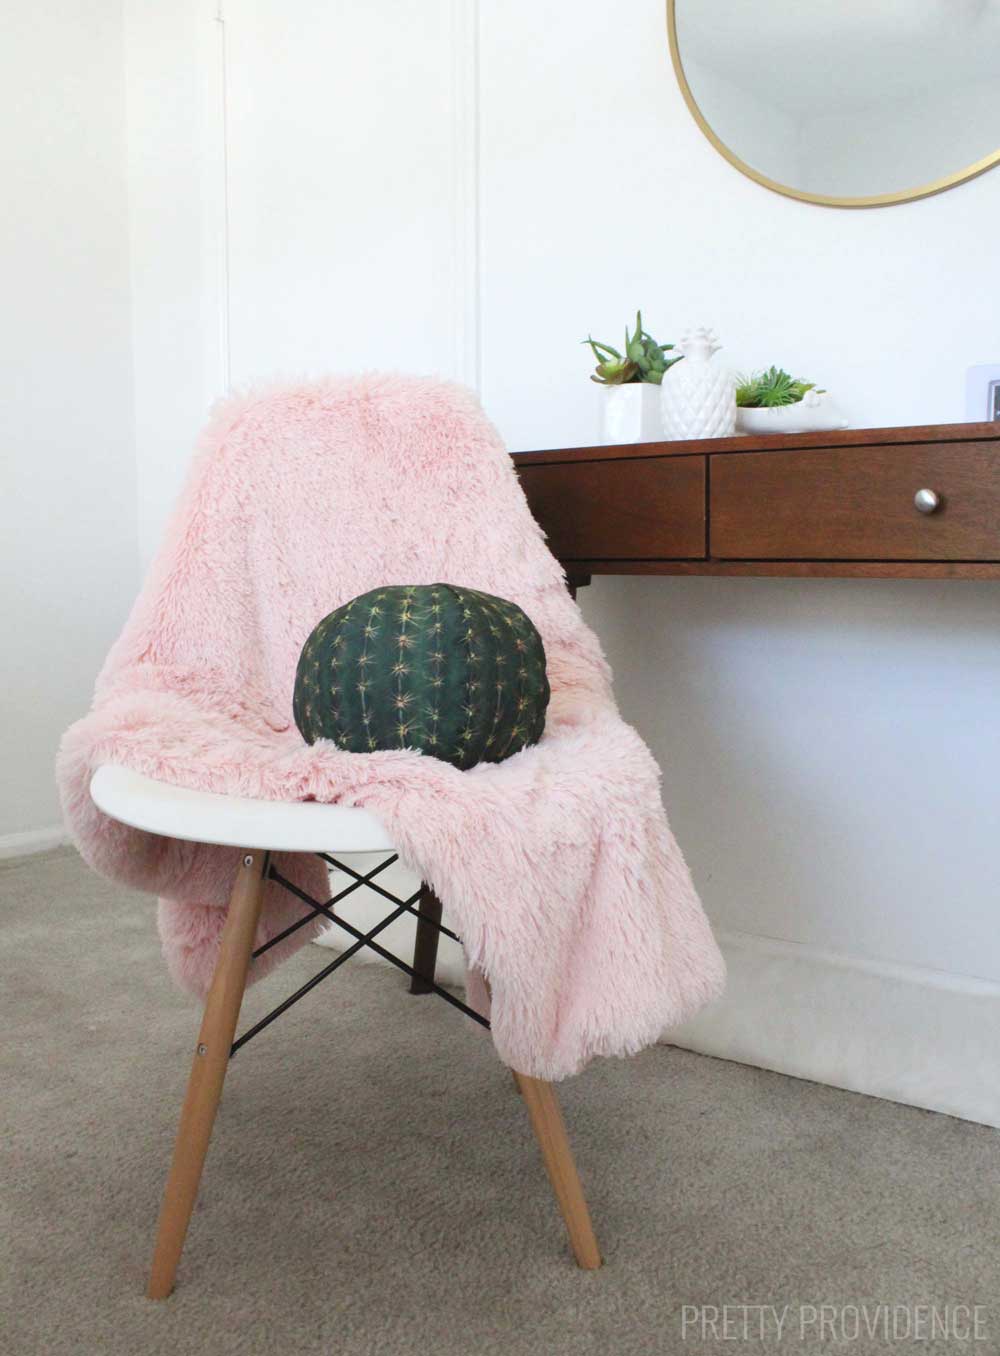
{"type": "Point", "coordinates": [361, 939]}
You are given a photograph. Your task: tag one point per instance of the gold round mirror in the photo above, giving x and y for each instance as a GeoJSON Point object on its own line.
{"type": "Point", "coordinates": [848, 103]}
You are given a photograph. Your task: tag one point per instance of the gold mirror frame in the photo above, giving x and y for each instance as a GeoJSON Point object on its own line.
{"type": "Point", "coordinates": [822, 199]}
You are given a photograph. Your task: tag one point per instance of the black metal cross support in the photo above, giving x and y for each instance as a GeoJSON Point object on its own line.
{"type": "Point", "coordinates": [361, 939]}
{"type": "Point", "coordinates": [365, 880]}
{"type": "Point", "coordinates": [308, 917]}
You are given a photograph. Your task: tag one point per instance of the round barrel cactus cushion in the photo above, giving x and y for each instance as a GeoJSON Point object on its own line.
{"type": "Point", "coordinates": [451, 671]}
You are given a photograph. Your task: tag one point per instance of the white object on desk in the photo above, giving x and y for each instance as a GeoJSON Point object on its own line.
{"type": "Point", "coordinates": [630, 413]}
{"type": "Point", "coordinates": [982, 392]}
{"type": "Point", "coordinates": [814, 413]}
{"type": "Point", "coordinates": [698, 396]}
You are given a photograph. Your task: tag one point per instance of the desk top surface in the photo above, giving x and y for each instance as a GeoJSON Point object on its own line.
{"type": "Point", "coordinates": [770, 442]}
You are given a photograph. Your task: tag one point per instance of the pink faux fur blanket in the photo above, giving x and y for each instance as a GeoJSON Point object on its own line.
{"type": "Point", "coordinates": [558, 866]}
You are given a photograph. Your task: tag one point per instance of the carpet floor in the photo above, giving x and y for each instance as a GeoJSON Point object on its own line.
{"type": "Point", "coordinates": [373, 1185]}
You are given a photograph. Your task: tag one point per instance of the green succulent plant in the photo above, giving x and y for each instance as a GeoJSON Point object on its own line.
{"type": "Point", "coordinates": [766, 390]}
{"type": "Point", "coordinates": [643, 359]}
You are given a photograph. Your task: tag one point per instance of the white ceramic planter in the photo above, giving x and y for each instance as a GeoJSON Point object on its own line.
{"type": "Point", "coordinates": [814, 413]}
{"type": "Point", "coordinates": [630, 413]}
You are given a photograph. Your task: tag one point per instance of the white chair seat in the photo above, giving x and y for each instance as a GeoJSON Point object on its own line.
{"type": "Point", "coordinates": [234, 821]}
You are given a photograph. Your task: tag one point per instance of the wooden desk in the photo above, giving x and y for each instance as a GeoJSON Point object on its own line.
{"type": "Point", "coordinates": [812, 504]}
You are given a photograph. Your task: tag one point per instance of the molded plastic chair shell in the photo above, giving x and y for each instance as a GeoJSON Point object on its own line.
{"type": "Point", "coordinates": [234, 821]}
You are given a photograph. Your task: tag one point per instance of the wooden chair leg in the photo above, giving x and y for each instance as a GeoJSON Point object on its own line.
{"type": "Point", "coordinates": [208, 1072]}
{"type": "Point", "coordinates": [550, 1131]}
{"type": "Point", "coordinates": [426, 946]}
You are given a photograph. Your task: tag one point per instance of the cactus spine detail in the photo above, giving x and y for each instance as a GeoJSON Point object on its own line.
{"type": "Point", "coordinates": [450, 671]}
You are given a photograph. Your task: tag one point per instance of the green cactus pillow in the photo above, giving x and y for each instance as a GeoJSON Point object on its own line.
{"type": "Point", "coordinates": [451, 671]}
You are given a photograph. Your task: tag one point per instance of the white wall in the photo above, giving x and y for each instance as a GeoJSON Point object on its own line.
{"type": "Point", "coordinates": [300, 203]}
{"type": "Point", "coordinates": [599, 193]}
{"type": "Point", "coordinates": [829, 747]}
{"type": "Point", "coordinates": [69, 531]}
{"type": "Point", "coordinates": [342, 248]}
{"type": "Point", "coordinates": [175, 151]}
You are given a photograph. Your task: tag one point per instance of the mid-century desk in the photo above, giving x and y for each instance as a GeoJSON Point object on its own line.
{"type": "Point", "coordinates": [889, 503]}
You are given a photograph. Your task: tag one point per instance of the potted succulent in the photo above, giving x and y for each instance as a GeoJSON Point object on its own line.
{"type": "Point", "coordinates": [630, 400]}
{"type": "Point", "coordinates": [775, 402]}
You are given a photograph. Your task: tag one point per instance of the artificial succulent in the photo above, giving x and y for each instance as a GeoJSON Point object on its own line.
{"type": "Point", "coordinates": [643, 359]}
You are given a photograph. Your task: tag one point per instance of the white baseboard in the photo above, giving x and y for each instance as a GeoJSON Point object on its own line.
{"type": "Point", "coordinates": [23, 844]}
{"type": "Point", "coordinates": [921, 1037]}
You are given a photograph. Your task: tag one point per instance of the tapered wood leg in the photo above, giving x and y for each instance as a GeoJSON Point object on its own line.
{"type": "Point", "coordinates": [208, 1072]}
{"type": "Point", "coordinates": [547, 1123]}
{"type": "Point", "coordinates": [426, 946]}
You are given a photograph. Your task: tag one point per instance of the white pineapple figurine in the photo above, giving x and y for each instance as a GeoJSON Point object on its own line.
{"type": "Point", "coordinates": [698, 396]}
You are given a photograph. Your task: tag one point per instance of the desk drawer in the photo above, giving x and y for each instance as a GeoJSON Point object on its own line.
{"type": "Point", "coordinates": [857, 503]}
{"type": "Point", "coordinates": [627, 509]}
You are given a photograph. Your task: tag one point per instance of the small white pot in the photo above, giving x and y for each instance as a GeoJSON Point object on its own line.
{"type": "Point", "coordinates": [814, 413]}
{"type": "Point", "coordinates": [630, 413]}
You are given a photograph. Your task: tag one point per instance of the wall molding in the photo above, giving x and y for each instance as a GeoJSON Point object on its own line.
{"type": "Point", "coordinates": [466, 290]}
{"type": "Point", "coordinates": [214, 192]}
{"type": "Point", "coordinates": [212, 58]}
{"type": "Point", "coordinates": [29, 841]}
{"type": "Point", "coordinates": [922, 1037]}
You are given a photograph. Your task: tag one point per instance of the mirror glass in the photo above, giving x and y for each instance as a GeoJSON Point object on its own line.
{"type": "Point", "coordinates": [845, 99]}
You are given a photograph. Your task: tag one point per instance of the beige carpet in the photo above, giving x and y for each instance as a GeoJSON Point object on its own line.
{"type": "Point", "coordinates": [373, 1186]}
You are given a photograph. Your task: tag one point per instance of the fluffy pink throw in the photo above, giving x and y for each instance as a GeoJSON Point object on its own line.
{"type": "Point", "coordinates": [558, 866]}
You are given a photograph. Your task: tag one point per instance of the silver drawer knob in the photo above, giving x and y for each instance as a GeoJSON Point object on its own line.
{"type": "Point", "coordinates": [926, 501]}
